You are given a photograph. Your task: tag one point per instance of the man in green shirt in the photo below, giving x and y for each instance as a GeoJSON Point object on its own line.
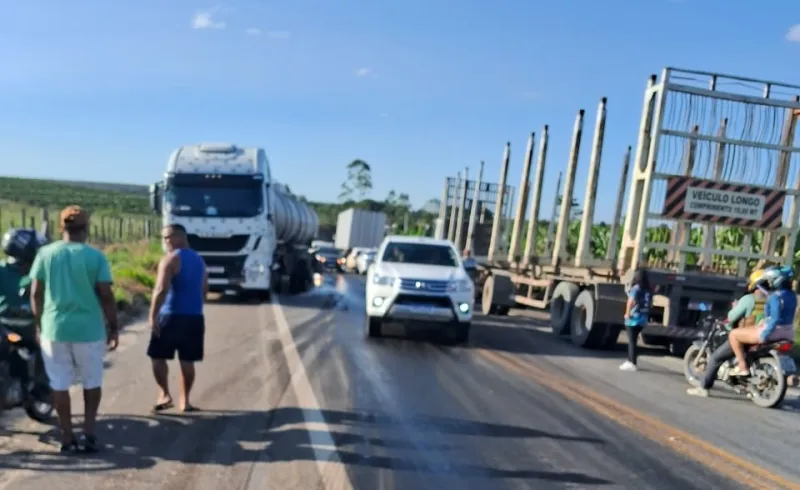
{"type": "Point", "coordinates": [71, 292]}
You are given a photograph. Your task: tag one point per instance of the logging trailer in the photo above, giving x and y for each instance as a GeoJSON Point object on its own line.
{"type": "Point", "coordinates": [716, 178]}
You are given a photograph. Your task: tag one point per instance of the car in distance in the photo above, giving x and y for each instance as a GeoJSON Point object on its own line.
{"type": "Point", "coordinates": [364, 260]}
{"type": "Point", "coordinates": [419, 282]}
{"type": "Point", "coordinates": [327, 257]}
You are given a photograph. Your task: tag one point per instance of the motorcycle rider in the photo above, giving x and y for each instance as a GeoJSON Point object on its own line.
{"type": "Point", "coordinates": [20, 246]}
{"type": "Point", "coordinates": [746, 312]}
{"type": "Point", "coordinates": [778, 322]}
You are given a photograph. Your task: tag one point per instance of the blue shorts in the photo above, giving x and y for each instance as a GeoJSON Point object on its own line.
{"type": "Point", "coordinates": [184, 334]}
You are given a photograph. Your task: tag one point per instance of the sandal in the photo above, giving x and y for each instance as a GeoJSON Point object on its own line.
{"type": "Point", "coordinates": [160, 407]}
{"type": "Point", "coordinates": [70, 447]}
{"type": "Point", "coordinates": [737, 371]}
{"type": "Point", "coordinates": [88, 443]}
{"type": "Point", "coordinates": [190, 408]}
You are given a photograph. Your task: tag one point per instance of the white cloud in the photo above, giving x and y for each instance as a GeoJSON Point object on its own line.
{"type": "Point", "coordinates": [205, 19]}
{"type": "Point", "coordinates": [253, 31]}
{"type": "Point", "coordinates": [365, 72]}
{"type": "Point", "coordinates": [278, 34]}
{"type": "Point", "coordinates": [794, 34]}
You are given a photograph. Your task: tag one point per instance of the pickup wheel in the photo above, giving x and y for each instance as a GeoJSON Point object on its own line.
{"type": "Point", "coordinates": [372, 327]}
{"type": "Point", "coordinates": [461, 332]}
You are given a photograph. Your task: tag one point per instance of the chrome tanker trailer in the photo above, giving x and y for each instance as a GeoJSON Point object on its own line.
{"type": "Point", "coordinates": [251, 232]}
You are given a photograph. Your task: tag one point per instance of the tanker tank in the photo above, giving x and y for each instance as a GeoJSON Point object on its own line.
{"type": "Point", "coordinates": [295, 222]}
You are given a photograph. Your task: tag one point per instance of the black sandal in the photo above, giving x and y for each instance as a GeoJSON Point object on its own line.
{"type": "Point", "coordinates": [70, 447]}
{"type": "Point", "coordinates": [160, 407]}
{"type": "Point", "coordinates": [88, 443]}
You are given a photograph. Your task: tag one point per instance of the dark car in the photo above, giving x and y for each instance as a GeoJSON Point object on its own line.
{"type": "Point", "coordinates": [327, 257]}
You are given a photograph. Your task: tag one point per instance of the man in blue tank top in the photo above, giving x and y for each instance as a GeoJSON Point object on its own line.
{"type": "Point", "coordinates": [176, 316]}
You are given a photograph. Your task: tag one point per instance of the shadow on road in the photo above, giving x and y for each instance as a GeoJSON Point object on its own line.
{"type": "Point", "coordinates": [226, 438]}
{"type": "Point", "coordinates": [515, 334]}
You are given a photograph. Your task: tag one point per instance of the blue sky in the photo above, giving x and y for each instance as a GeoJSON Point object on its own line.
{"type": "Point", "coordinates": [102, 90]}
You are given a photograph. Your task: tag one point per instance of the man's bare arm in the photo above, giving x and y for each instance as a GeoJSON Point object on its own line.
{"type": "Point", "coordinates": [107, 302]}
{"type": "Point", "coordinates": [37, 301]}
{"type": "Point", "coordinates": [168, 266]}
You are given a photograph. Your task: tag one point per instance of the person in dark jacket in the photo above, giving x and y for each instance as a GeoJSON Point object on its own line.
{"type": "Point", "coordinates": [637, 312]}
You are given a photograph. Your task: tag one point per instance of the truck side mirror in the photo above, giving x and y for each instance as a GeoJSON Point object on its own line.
{"type": "Point", "coordinates": [155, 197]}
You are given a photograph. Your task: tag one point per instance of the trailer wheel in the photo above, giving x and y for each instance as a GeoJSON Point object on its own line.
{"type": "Point", "coordinates": [496, 293]}
{"type": "Point", "coordinates": [584, 331]}
{"type": "Point", "coordinates": [564, 297]}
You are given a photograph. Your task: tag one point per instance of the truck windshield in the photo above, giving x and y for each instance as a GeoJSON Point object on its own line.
{"type": "Point", "coordinates": [216, 202]}
{"type": "Point", "coordinates": [420, 253]}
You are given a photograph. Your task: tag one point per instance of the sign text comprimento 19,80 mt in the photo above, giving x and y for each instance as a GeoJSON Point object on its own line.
{"type": "Point", "coordinates": [725, 203]}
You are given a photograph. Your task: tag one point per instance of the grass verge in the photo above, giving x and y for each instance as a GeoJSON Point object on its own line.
{"type": "Point", "coordinates": [133, 266]}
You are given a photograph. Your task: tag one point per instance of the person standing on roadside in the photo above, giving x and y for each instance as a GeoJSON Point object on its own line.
{"type": "Point", "coordinates": [176, 316]}
{"type": "Point", "coordinates": [637, 312]}
{"type": "Point", "coordinates": [71, 295]}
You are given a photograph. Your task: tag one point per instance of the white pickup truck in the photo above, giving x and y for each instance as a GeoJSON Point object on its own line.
{"type": "Point", "coordinates": [419, 281]}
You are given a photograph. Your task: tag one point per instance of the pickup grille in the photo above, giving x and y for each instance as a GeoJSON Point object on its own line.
{"type": "Point", "coordinates": [231, 244]}
{"type": "Point", "coordinates": [423, 285]}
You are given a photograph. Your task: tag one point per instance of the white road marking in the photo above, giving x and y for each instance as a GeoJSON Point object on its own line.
{"type": "Point", "coordinates": [332, 472]}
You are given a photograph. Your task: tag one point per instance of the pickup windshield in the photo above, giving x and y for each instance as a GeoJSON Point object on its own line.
{"type": "Point", "coordinates": [420, 253]}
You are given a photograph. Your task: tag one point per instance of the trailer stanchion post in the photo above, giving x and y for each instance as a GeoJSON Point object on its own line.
{"type": "Point", "coordinates": [439, 230]}
{"type": "Point", "coordinates": [533, 219]}
{"type": "Point", "coordinates": [584, 250]}
{"type": "Point", "coordinates": [498, 207]}
{"type": "Point", "coordinates": [451, 227]}
{"type": "Point", "coordinates": [522, 205]}
{"type": "Point", "coordinates": [560, 247]}
{"type": "Point", "coordinates": [462, 202]}
{"type": "Point", "coordinates": [473, 211]}
{"type": "Point", "coordinates": [611, 250]}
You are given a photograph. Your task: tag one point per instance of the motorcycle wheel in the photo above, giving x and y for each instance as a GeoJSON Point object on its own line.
{"type": "Point", "coordinates": [689, 372]}
{"type": "Point", "coordinates": [38, 405]}
{"type": "Point", "coordinates": [767, 370]}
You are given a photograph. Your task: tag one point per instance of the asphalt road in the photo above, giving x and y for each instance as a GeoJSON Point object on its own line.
{"type": "Point", "coordinates": [294, 397]}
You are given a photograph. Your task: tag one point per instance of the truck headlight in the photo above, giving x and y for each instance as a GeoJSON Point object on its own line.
{"type": "Point", "coordinates": [256, 267]}
{"type": "Point", "coordinates": [460, 286]}
{"type": "Point", "coordinates": [321, 258]}
{"type": "Point", "coordinates": [382, 280]}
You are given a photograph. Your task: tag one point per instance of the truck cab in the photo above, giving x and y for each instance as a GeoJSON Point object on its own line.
{"type": "Point", "coordinates": [223, 195]}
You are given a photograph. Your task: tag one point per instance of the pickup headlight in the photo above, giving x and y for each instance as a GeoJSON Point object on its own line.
{"type": "Point", "coordinates": [460, 286]}
{"type": "Point", "coordinates": [382, 280]}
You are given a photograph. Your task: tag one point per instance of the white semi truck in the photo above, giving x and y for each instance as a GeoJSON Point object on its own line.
{"type": "Point", "coordinates": [253, 235]}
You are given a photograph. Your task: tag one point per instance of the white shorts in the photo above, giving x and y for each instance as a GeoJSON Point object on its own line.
{"type": "Point", "coordinates": [68, 363]}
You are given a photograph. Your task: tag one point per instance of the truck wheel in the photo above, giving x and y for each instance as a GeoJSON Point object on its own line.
{"type": "Point", "coordinates": [564, 296]}
{"type": "Point", "coordinates": [584, 331]}
{"type": "Point", "coordinates": [496, 291]}
{"type": "Point", "coordinates": [372, 327]}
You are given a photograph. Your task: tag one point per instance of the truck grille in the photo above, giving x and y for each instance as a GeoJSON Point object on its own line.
{"type": "Point", "coordinates": [231, 244]}
{"type": "Point", "coordinates": [231, 267]}
{"type": "Point", "coordinates": [423, 285]}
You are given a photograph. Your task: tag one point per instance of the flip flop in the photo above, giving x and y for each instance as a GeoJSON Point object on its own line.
{"type": "Point", "coordinates": [160, 407]}
{"type": "Point", "coordinates": [190, 408]}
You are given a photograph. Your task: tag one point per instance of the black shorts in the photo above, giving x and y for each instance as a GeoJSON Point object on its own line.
{"type": "Point", "coordinates": [183, 334]}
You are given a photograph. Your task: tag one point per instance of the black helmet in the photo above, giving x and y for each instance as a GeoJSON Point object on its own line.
{"type": "Point", "coordinates": [22, 244]}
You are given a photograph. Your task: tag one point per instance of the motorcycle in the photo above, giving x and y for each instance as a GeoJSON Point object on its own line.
{"type": "Point", "coordinates": [23, 380]}
{"type": "Point", "coordinates": [770, 366]}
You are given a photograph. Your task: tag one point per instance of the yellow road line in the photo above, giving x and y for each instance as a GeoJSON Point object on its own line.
{"type": "Point", "coordinates": [723, 462]}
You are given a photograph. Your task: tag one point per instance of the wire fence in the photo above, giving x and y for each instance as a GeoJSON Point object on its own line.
{"type": "Point", "coordinates": [104, 229]}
